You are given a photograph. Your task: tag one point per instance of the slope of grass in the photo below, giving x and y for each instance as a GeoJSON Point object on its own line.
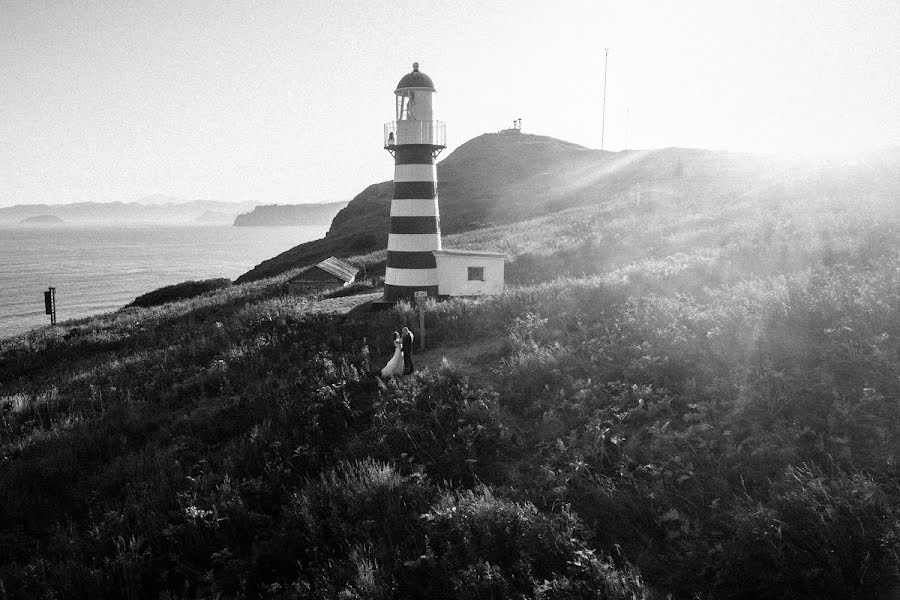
{"type": "Point", "coordinates": [693, 396]}
{"type": "Point", "coordinates": [179, 291]}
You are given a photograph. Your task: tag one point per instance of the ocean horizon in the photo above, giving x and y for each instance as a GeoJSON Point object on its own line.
{"type": "Point", "coordinates": [101, 268]}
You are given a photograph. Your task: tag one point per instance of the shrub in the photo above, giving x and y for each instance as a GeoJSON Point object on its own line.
{"type": "Point", "coordinates": [818, 536]}
{"type": "Point", "coordinates": [481, 546]}
{"type": "Point", "coordinates": [439, 421]}
{"type": "Point", "coordinates": [355, 524]}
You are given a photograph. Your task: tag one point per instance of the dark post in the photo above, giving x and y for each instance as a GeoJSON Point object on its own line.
{"type": "Point", "coordinates": [421, 327]}
{"type": "Point", "coordinates": [420, 297]}
{"type": "Point", "coordinates": [50, 304]}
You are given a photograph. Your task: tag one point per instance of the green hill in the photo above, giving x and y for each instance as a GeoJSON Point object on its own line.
{"type": "Point", "coordinates": [504, 178]}
{"type": "Point", "coordinates": [689, 389]}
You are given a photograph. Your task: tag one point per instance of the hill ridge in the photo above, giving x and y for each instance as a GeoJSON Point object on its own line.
{"type": "Point", "coordinates": [503, 177]}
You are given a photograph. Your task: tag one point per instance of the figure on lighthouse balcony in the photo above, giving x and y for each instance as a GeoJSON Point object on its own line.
{"type": "Point", "coordinates": [414, 139]}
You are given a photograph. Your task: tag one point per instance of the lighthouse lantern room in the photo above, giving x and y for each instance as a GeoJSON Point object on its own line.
{"type": "Point", "coordinates": [414, 114]}
{"type": "Point", "coordinates": [414, 139]}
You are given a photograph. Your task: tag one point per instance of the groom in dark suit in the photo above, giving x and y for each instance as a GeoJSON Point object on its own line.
{"type": "Point", "coordinates": [406, 346]}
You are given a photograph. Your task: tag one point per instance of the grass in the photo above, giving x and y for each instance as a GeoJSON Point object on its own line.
{"type": "Point", "coordinates": [693, 398]}
{"type": "Point", "coordinates": [179, 291]}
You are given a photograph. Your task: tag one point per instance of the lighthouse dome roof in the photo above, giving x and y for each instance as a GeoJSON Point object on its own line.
{"type": "Point", "coordinates": [416, 79]}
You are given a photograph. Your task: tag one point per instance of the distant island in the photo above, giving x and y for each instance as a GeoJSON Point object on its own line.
{"type": "Point", "coordinates": [163, 210]}
{"type": "Point", "coordinates": [212, 217]}
{"type": "Point", "coordinates": [290, 215]}
{"type": "Point", "coordinates": [42, 220]}
{"type": "Point", "coordinates": [155, 210]}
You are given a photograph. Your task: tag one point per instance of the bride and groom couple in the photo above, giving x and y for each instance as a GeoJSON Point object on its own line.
{"type": "Point", "coordinates": [401, 361]}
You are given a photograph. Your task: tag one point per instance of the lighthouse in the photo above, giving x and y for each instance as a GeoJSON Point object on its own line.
{"type": "Point", "coordinates": [414, 139]}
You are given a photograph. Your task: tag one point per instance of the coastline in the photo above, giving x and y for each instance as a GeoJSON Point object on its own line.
{"type": "Point", "coordinates": [101, 268]}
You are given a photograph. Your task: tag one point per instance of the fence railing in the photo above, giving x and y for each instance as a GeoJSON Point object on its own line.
{"type": "Point", "coordinates": [433, 133]}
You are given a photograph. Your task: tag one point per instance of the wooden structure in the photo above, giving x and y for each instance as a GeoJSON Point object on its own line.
{"type": "Point", "coordinates": [329, 274]}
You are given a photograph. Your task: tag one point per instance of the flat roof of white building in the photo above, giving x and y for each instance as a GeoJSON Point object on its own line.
{"type": "Point", "coordinates": [451, 252]}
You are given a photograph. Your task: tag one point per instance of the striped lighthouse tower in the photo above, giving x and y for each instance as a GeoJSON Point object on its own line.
{"type": "Point", "coordinates": [414, 139]}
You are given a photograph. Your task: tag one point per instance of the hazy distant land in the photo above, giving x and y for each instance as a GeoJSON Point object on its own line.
{"type": "Point", "coordinates": [149, 210]}
{"type": "Point", "coordinates": [290, 214]}
{"type": "Point", "coordinates": [161, 210]}
{"type": "Point", "coordinates": [42, 220]}
{"type": "Point", "coordinates": [212, 217]}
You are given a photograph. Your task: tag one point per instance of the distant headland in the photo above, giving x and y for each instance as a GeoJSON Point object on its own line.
{"type": "Point", "coordinates": [290, 215]}
{"type": "Point", "coordinates": [41, 220]}
{"type": "Point", "coordinates": [150, 210]}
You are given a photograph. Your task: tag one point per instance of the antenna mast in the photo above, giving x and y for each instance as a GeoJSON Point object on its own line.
{"type": "Point", "coordinates": [603, 119]}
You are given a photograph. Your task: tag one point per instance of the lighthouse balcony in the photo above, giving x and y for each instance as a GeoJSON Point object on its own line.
{"type": "Point", "coordinates": [431, 133]}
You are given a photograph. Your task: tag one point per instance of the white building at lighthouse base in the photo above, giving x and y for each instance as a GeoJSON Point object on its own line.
{"type": "Point", "coordinates": [469, 272]}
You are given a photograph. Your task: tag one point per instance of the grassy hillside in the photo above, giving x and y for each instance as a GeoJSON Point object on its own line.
{"type": "Point", "coordinates": [501, 178]}
{"type": "Point", "coordinates": [679, 393]}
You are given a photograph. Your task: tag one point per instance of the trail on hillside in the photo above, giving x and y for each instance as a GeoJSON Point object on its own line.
{"type": "Point", "coordinates": [472, 359]}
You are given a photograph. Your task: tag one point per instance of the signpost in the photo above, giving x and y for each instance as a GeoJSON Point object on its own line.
{"type": "Point", "coordinates": [420, 302]}
{"type": "Point", "coordinates": [50, 304]}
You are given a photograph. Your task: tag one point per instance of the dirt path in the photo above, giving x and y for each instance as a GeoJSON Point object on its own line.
{"type": "Point", "coordinates": [472, 359]}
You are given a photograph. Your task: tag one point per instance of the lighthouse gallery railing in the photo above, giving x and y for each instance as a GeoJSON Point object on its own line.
{"type": "Point", "coordinates": [433, 133]}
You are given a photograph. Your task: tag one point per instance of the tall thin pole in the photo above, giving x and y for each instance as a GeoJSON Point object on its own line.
{"type": "Point", "coordinates": [627, 125]}
{"type": "Point", "coordinates": [603, 120]}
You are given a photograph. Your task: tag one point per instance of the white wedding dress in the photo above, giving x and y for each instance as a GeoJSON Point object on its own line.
{"type": "Point", "coordinates": [395, 365]}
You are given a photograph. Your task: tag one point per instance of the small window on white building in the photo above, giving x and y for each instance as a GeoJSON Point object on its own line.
{"type": "Point", "coordinates": [476, 273]}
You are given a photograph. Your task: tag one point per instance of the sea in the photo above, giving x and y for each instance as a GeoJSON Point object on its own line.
{"type": "Point", "coordinates": [97, 269]}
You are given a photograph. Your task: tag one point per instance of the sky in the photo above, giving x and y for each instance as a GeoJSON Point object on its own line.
{"type": "Point", "coordinates": [284, 101]}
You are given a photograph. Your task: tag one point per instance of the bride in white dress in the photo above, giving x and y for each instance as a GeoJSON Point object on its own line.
{"type": "Point", "coordinates": [394, 367]}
